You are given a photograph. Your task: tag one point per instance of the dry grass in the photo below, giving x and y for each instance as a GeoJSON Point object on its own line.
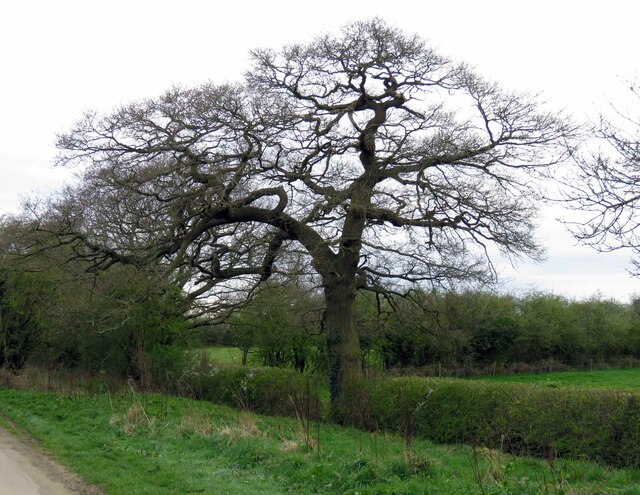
{"type": "Point", "coordinates": [195, 425]}
{"type": "Point", "coordinates": [293, 439]}
{"type": "Point", "coordinates": [495, 463]}
{"type": "Point", "coordinates": [244, 427]}
{"type": "Point", "coordinates": [8, 379]}
{"type": "Point", "coordinates": [288, 445]}
{"type": "Point", "coordinates": [134, 418]}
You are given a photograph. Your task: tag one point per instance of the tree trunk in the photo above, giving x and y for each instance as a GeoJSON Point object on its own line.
{"type": "Point", "coordinates": [345, 357]}
{"type": "Point", "coordinates": [244, 353]}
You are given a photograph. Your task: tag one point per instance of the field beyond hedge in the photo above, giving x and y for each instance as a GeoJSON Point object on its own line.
{"type": "Point", "coordinates": [628, 378]}
{"type": "Point", "coordinates": [151, 444]}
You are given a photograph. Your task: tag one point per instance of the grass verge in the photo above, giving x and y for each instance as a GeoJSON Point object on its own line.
{"type": "Point", "coordinates": [151, 444]}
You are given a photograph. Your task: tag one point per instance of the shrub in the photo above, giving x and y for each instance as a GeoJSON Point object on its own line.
{"type": "Point", "coordinates": [277, 391]}
{"type": "Point", "coordinates": [595, 424]}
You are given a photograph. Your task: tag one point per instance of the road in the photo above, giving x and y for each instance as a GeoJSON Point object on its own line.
{"type": "Point", "coordinates": [24, 471]}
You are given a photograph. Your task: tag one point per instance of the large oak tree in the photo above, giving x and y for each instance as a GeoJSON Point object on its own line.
{"type": "Point", "coordinates": [383, 162]}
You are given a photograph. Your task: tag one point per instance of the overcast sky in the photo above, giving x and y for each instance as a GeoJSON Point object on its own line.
{"type": "Point", "coordinates": [60, 58]}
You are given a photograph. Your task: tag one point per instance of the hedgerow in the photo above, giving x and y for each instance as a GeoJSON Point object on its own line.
{"type": "Point", "coordinates": [601, 425]}
{"type": "Point", "coordinates": [596, 424]}
{"type": "Point", "coordinates": [273, 391]}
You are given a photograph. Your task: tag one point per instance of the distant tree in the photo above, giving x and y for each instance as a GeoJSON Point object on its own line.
{"type": "Point", "coordinates": [235, 332]}
{"type": "Point", "coordinates": [604, 329]}
{"type": "Point", "coordinates": [282, 324]}
{"type": "Point", "coordinates": [543, 319]}
{"type": "Point", "coordinates": [383, 162]}
{"type": "Point", "coordinates": [491, 322]}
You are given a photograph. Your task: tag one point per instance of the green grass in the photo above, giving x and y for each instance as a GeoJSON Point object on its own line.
{"type": "Point", "coordinates": [162, 445]}
{"type": "Point", "coordinates": [224, 355]}
{"type": "Point", "coordinates": [619, 378]}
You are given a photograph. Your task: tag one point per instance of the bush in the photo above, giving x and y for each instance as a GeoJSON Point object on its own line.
{"type": "Point", "coordinates": [274, 391]}
{"type": "Point", "coordinates": [593, 424]}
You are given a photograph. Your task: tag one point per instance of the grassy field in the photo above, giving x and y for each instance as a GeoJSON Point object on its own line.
{"type": "Point", "coordinates": [232, 355]}
{"type": "Point", "coordinates": [622, 378]}
{"type": "Point", "coordinates": [224, 355]}
{"type": "Point", "coordinates": [161, 445]}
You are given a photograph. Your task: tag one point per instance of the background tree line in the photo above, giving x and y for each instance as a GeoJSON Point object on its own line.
{"type": "Point", "coordinates": [282, 326]}
{"type": "Point", "coordinates": [126, 321]}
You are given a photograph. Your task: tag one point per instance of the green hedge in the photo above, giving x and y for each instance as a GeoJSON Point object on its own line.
{"type": "Point", "coordinates": [601, 425]}
{"type": "Point", "coordinates": [274, 391]}
{"type": "Point", "coordinates": [595, 424]}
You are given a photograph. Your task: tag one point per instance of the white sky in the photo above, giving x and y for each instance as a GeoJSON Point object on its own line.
{"type": "Point", "coordinates": [59, 58]}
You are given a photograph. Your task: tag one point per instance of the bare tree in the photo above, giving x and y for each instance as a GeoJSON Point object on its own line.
{"type": "Point", "coordinates": [383, 162]}
{"type": "Point", "coordinates": [608, 187]}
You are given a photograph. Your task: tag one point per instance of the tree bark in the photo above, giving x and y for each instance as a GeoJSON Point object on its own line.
{"type": "Point", "coordinates": [345, 357]}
